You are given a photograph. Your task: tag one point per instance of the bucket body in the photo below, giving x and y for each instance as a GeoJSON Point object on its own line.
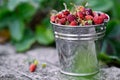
{"type": "Point", "coordinates": [78, 47]}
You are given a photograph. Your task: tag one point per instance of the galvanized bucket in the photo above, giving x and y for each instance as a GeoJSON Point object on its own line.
{"type": "Point", "coordinates": [78, 47]}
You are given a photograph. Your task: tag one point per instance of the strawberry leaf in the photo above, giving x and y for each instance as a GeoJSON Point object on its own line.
{"type": "Point", "coordinates": [44, 36]}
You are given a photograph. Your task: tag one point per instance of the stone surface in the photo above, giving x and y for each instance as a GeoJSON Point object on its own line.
{"type": "Point", "coordinates": [15, 66]}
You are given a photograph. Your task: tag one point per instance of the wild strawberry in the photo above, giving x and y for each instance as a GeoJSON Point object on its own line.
{"type": "Point", "coordinates": [62, 21]}
{"type": "Point", "coordinates": [105, 17]}
{"type": "Point", "coordinates": [66, 12]}
{"type": "Point", "coordinates": [86, 23]}
{"type": "Point", "coordinates": [44, 65]}
{"type": "Point", "coordinates": [73, 23]}
{"type": "Point", "coordinates": [56, 20]}
{"type": "Point", "coordinates": [71, 18]}
{"type": "Point", "coordinates": [60, 15]}
{"type": "Point", "coordinates": [75, 13]}
{"type": "Point", "coordinates": [80, 14]}
{"type": "Point", "coordinates": [88, 11]}
{"type": "Point", "coordinates": [32, 67]}
{"type": "Point", "coordinates": [52, 18]}
{"type": "Point", "coordinates": [95, 14]}
{"type": "Point", "coordinates": [81, 8]}
{"type": "Point", "coordinates": [89, 17]}
{"type": "Point", "coordinates": [98, 19]}
{"type": "Point", "coordinates": [98, 14]}
{"type": "Point", "coordinates": [36, 62]}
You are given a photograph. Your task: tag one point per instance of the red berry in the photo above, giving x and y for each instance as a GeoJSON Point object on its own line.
{"type": "Point", "coordinates": [32, 67]}
{"type": "Point", "coordinates": [86, 23]}
{"type": "Point", "coordinates": [81, 8]}
{"type": "Point", "coordinates": [95, 14]}
{"type": "Point", "coordinates": [66, 12]}
{"type": "Point", "coordinates": [80, 15]}
{"type": "Point", "coordinates": [52, 18]}
{"type": "Point", "coordinates": [88, 11]}
{"type": "Point", "coordinates": [73, 23]}
{"type": "Point", "coordinates": [71, 18]}
{"type": "Point", "coordinates": [98, 19]}
{"type": "Point", "coordinates": [60, 15]}
{"type": "Point", "coordinates": [56, 20]}
{"type": "Point", "coordinates": [75, 13]}
{"type": "Point", "coordinates": [89, 17]}
{"type": "Point", "coordinates": [62, 21]}
{"type": "Point", "coordinates": [105, 17]}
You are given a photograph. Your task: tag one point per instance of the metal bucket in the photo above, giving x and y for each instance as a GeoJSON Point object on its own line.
{"type": "Point", "coordinates": [78, 47]}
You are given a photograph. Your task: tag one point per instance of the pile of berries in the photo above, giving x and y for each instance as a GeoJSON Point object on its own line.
{"type": "Point", "coordinates": [81, 16]}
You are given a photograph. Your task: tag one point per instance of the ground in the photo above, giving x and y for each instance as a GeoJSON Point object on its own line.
{"type": "Point", "coordinates": [14, 66]}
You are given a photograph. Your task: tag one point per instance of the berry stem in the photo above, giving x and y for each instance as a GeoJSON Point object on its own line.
{"type": "Point", "coordinates": [65, 6]}
{"type": "Point", "coordinates": [84, 2]}
{"type": "Point", "coordinates": [53, 12]}
{"type": "Point", "coordinates": [86, 5]}
{"type": "Point", "coordinates": [75, 6]}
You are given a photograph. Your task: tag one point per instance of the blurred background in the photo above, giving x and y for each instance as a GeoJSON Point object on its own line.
{"type": "Point", "coordinates": [25, 23]}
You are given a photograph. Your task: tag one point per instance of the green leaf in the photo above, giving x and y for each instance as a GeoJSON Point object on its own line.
{"type": "Point", "coordinates": [44, 36]}
{"type": "Point", "coordinates": [115, 32]}
{"type": "Point", "coordinates": [110, 60]}
{"type": "Point", "coordinates": [101, 5]}
{"type": "Point", "coordinates": [111, 28]}
{"type": "Point", "coordinates": [116, 46]}
{"type": "Point", "coordinates": [16, 28]}
{"type": "Point", "coordinates": [104, 57]}
{"type": "Point", "coordinates": [35, 3]}
{"type": "Point", "coordinates": [112, 47]}
{"type": "Point", "coordinates": [26, 42]}
{"type": "Point", "coordinates": [104, 46]}
{"type": "Point", "coordinates": [5, 21]}
{"type": "Point", "coordinates": [12, 4]}
{"type": "Point", "coordinates": [116, 9]}
{"type": "Point", "coordinates": [25, 11]}
{"type": "Point", "coordinates": [110, 42]}
{"type": "Point", "coordinates": [3, 12]}
{"type": "Point", "coordinates": [50, 35]}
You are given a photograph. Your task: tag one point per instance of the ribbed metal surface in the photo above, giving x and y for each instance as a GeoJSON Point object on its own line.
{"type": "Point", "coordinates": [79, 33]}
{"type": "Point", "coordinates": [77, 48]}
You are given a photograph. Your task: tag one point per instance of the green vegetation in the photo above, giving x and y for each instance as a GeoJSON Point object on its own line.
{"type": "Point", "coordinates": [28, 22]}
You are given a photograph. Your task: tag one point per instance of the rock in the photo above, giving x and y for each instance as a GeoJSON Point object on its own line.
{"type": "Point", "coordinates": [14, 66]}
{"type": "Point", "coordinates": [112, 73]}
